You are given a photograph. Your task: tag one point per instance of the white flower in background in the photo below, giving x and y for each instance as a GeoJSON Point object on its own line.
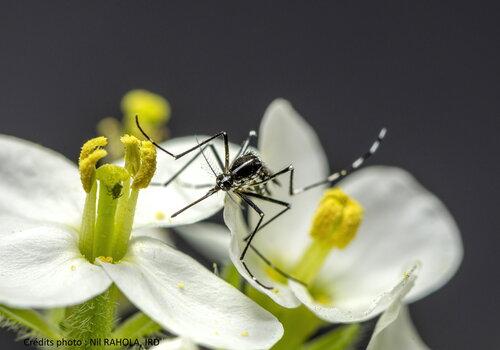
{"type": "Point", "coordinates": [176, 344]}
{"type": "Point", "coordinates": [50, 231]}
{"type": "Point", "coordinates": [394, 329]}
{"type": "Point", "coordinates": [351, 274]}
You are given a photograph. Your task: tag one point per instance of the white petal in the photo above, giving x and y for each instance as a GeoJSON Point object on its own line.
{"type": "Point", "coordinates": [280, 293]}
{"type": "Point", "coordinates": [394, 329]}
{"type": "Point", "coordinates": [403, 223]}
{"type": "Point", "coordinates": [176, 344]}
{"type": "Point", "coordinates": [343, 312]}
{"type": "Point", "coordinates": [156, 203]}
{"type": "Point", "coordinates": [158, 233]}
{"type": "Point", "coordinates": [38, 183]}
{"type": "Point", "coordinates": [286, 139]}
{"type": "Point", "coordinates": [212, 240]}
{"type": "Point", "coordinates": [41, 267]}
{"type": "Point", "coordinates": [190, 301]}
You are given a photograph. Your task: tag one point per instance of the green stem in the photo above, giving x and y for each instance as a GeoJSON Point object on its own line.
{"type": "Point", "coordinates": [341, 338]}
{"type": "Point", "coordinates": [300, 324]}
{"type": "Point", "coordinates": [94, 319]}
{"type": "Point", "coordinates": [31, 320]}
{"type": "Point", "coordinates": [88, 224]}
{"type": "Point", "coordinates": [105, 222]}
{"type": "Point", "coordinates": [136, 327]}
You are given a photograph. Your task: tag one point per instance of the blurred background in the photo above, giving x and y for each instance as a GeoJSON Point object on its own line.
{"type": "Point", "coordinates": [427, 71]}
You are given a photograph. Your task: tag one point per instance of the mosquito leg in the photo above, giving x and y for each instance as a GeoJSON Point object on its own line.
{"type": "Point", "coordinates": [257, 227]}
{"type": "Point", "coordinates": [194, 186]}
{"type": "Point", "coordinates": [335, 177]}
{"type": "Point", "coordinates": [261, 217]}
{"type": "Point", "coordinates": [246, 143]}
{"type": "Point", "coordinates": [253, 277]}
{"type": "Point", "coordinates": [274, 267]}
{"type": "Point", "coordinates": [204, 142]}
{"type": "Point", "coordinates": [267, 199]}
{"type": "Point", "coordinates": [339, 175]}
{"type": "Point", "coordinates": [208, 194]}
{"type": "Point", "coordinates": [188, 163]}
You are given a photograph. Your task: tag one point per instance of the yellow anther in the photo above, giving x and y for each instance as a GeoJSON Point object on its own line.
{"type": "Point", "coordinates": [106, 259]}
{"type": "Point", "coordinates": [150, 107]}
{"type": "Point", "coordinates": [181, 285]}
{"type": "Point", "coordinates": [337, 219]}
{"type": "Point", "coordinates": [132, 153]}
{"type": "Point", "coordinates": [92, 145]}
{"type": "Point", "coordinates": [245, 334]}
{"type": "Point", "coordinates": [90, 154]}
{"type": "Point", "coordinates": [148, 166]}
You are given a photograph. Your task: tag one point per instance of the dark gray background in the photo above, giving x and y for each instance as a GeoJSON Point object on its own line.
{"type": "Point", "coordinates": [427, 71]}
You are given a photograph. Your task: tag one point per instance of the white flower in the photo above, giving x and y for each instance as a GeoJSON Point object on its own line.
{"type": "Point", "coordinates": [394, 329]}
{"type": "Point", "coordinates": [176, 344]}
{"type": "Point", "coordinates": [41, 265]}
{"type": "Point", "coordinates": [403, 224]}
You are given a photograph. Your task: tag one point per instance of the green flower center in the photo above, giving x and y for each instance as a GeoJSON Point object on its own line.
{"type": "Point", "coordinates": [112, 193]}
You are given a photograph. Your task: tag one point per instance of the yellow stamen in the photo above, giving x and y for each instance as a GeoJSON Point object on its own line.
{"type": "Point", "coordinates": [150, 107]}
{"type": "Point", "coordinates": [334, 225]}
{"type": "Point", "coordinates": [91, 145]}
{"type": "Point", "coordinates": [132, 153]}
{"type": "Point", "coordinates": [337, 219]}
{"type": "Point", "coordinates": [147, 167]}
{"type": "Point", "coordinates": [90, 154]}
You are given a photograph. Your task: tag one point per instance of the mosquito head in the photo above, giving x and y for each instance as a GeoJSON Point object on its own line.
{"type": "Point", "coordinates": [224, 182]}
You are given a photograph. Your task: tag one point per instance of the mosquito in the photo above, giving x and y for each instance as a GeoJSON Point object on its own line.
{"type": "Point", "coordinates": [247, 177]}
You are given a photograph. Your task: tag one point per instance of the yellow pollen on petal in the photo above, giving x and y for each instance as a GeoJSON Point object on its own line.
{"type": "Point", "coordinates": [159, 215]}
{"type": "Point", "coordinates": [148, 166]}
{"type": "Point", "coordinates": [106, 259]}
{"type": "Point", "coordinates": [337, 219]}
{"type": "Point", "coordinates": [245, 334]}
{"type": "Point", "coordinates": [181, 285]}
{"type": "Point", "coordinates": [275, 275]}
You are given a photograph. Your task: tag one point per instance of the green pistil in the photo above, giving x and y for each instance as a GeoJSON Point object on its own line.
{"type": "Point", "coordinates": [311, 262]}
{"type": "Point", "coordinates": [105, 222]}
{"type": "Point", "coordinates": [124, 220]}
{"type": "Point", "coordinates": [88, 223]}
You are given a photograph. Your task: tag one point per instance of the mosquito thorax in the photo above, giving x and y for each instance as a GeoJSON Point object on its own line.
{"type": "Point", "coordinates": [224, 181]}
{"type": "Point", "coordinates": [246, 167]}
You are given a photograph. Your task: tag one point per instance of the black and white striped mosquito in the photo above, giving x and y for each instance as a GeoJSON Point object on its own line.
{"type": "Point", "coordinates": [247, 177]}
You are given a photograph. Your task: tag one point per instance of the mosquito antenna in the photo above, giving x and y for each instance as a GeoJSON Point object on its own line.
{"type": "Point", "coordinates": [150, 139]}
{"type": "Point", "coordinates": [202, 149]}
{"type": "Point", "coordinates": [337, 176]}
